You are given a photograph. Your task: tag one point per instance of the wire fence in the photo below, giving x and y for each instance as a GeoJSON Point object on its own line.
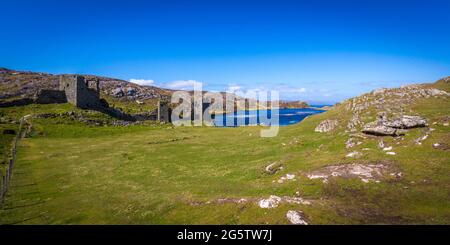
{"type": "Point", "coordinates": [6, 175]}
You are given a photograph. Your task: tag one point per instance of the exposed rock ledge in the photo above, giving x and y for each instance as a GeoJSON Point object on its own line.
{"type": "Point", "coordinates": [365, 172]}
{"type": "Point", "coordinates": [395, 127]}
{"type": "Point", "coordinates": [273, 201]}
{"type": "Point", "coordinates": [326, 125]}
{"type": "Point", "coordinates": [296, 217]}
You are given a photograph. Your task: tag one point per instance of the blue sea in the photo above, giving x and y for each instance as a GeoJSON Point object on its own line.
{"type": "Point", "coordinates": [264, 117]}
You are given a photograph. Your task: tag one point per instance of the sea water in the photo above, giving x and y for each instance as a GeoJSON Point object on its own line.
{"type": "Point", "coordinates": [264, 117]}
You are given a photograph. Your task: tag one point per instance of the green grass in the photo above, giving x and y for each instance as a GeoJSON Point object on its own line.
{"type": "Point", "coordinates": [70, 173]}
{"type": "Point", "coordinates": [131, 106]}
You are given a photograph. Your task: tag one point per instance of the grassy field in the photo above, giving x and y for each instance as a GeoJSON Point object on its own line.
{"type": "Point", "coordinates": [71, 173]}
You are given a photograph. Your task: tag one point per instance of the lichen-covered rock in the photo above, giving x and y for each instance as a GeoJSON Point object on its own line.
{"type": "Point", "coordinates": [384, 127]}
{"type": "Point", "coordinates": [326, 126]}
{"type": "Point", "coordinates": [353, 123]}
{"type": "Point", "coordinates": [365, 172]}
{"type": "Point", "coordinates": [271, 202]}
{"type": "Point", "coordinates": [296, 217]}
{"type": "Point", "coordinates": [379, 130]}
{"type": "Point", "coordinates": [273, 168]}
{"type": "Point", "coordinates": [406, 122]}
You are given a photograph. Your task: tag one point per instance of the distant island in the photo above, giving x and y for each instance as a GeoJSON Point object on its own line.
{"type": "Point", "coordinates": [285, 104]}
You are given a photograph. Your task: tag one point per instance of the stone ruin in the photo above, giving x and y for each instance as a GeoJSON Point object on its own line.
{"type": "Point", "coordinates": [80, 92]}
{"type": "Point", "coordinates": [164, 111]}
{"type": "Point", "coordinates": [85, 94]}
{"type": "Point", "coordinates": [74, 89]}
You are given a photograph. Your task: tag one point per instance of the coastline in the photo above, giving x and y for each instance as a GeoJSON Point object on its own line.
{"type": "Point", "coordinates": [325, 108]}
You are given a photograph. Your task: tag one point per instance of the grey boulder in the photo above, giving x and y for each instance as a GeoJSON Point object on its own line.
{"type": "Point", "coordinates": [380, 130]}
{"type": "Point", "coordinates": [406, 122]}
{"type": "Point", "coordinates": [396, 127]}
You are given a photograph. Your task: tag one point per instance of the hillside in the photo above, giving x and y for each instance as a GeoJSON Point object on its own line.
{"type": "Point", "coordinates": [127, 96]}
{"type": "Point", "coordinates": [379, 158]}
{"type": "Point", "coordinates": [23, 83]}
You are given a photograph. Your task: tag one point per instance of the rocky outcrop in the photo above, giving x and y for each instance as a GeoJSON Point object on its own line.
{"type": "Point", "coordinates": [392, 101]}
{"type": "Point", "coordinates": [273, 201]}
{"type": "Point", "coordinates": [117, 92]}
{"type": "Point", "coordinates": [365, 172]}
{"type": "Point", "coordinates": [326, 126]}
{"type": "Point", "coordinates": [380, 130]}
{"type": "Point", "coordinates": [353, 123]}
{"type": "Point", "coordinates": [395, 127]}
{"type": "Point", "coordinates": [296, 217]}
{"type": "Point", "coordinates": [406, 122]}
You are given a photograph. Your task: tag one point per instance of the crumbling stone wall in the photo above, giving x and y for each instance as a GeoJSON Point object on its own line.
{"type": "Point", "coordinates": [164, 111]}
{"type": "Point", "coordinates": [50, 96]}
{"type": "Point", "coordinates": [203, 108]}
{"type": "Point", "coordinates": [69, 84]}
{"type": "Point", "coordinates": [44, 96]}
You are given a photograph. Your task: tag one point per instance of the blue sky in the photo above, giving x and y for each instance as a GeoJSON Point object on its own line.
{"type": "Point", "coordinates": [319, 51]}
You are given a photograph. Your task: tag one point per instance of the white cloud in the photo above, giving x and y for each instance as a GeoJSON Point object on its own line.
{"type": "Point", "coordinates": [143, 82]}
{"type": "Point", "coordinates": [183, 84]}
{"type": "Point", "coordinates": [254, 92]}
{"type": "Point", "coordinates": [239, 90]}
{"type": "Point", "coordinates": [289, 89]}
{"type": "Point", "coordinates": [297, 90]}
{"type": "Point", "coordinates": [233, 88]}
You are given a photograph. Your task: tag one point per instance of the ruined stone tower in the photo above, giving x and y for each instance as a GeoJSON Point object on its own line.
{"type": "Point", "coordinates": [163, 111]}
{"type": "Point", "coordinates": [79, 92]}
